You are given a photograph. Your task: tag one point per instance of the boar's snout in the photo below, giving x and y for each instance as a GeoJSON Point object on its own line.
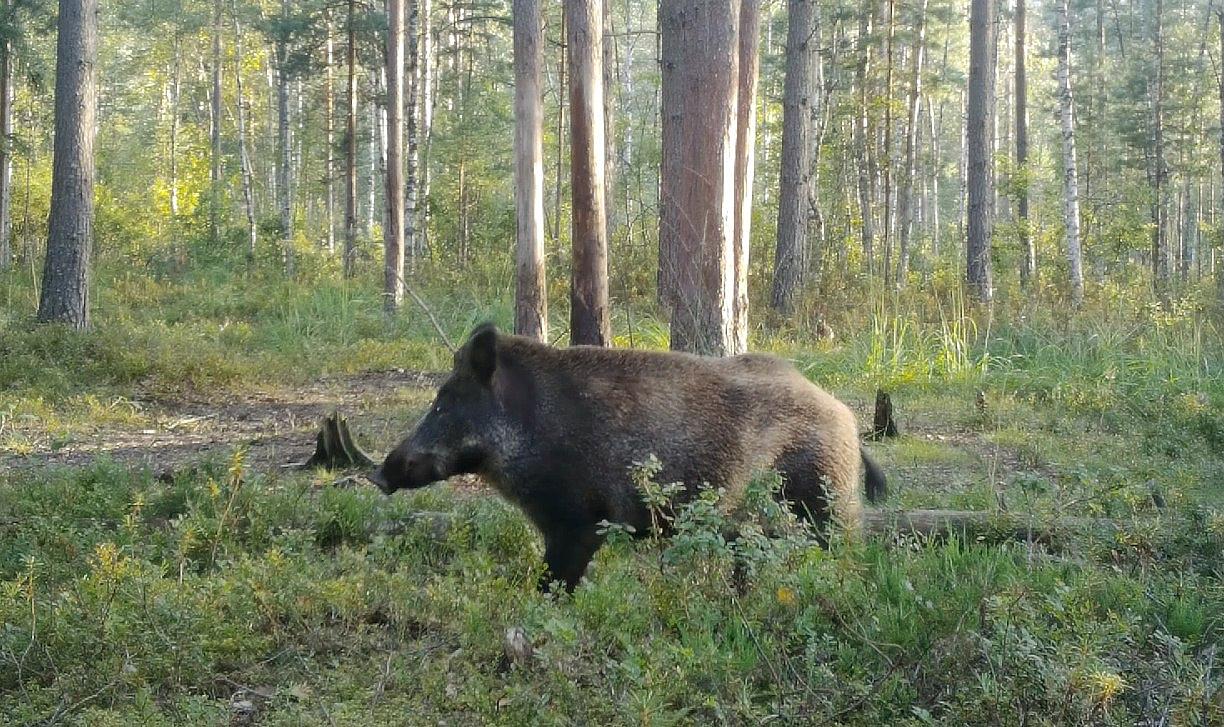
{"type": "Point", "coordinates": [407, 471]}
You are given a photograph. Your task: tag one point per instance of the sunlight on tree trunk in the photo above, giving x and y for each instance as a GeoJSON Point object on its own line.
{"type": "Point", "coordinates": [1066, 115]}
{"type": "Point", "coordinates": [1028, 267]}
{"type": "Point", "coordinates": [531, 292]}
{"type": "Point", "coordinates": [393, 232]}
{"type": "Point", "coordinates": [745, 168]}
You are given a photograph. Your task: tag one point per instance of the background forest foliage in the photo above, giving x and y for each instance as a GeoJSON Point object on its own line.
{"type": "Point", "coordinates": [225, 588]}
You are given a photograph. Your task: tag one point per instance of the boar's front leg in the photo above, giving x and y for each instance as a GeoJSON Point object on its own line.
{"type": "Point", "coordinates": [567, 553]}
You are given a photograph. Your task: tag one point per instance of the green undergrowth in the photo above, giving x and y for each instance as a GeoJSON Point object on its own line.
{"type": "Point", "coordinates": [126, 600]}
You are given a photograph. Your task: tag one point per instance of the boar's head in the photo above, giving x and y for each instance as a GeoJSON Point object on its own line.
{"type": "Point", "coordinates": [465, 428]}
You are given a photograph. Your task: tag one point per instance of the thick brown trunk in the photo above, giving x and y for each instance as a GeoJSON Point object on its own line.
{"type": "Point", "coordinates": [393, 232]}
{"type": "Point", "coordinates": [65, 284]}
{"type": "Point", "coordinates": [700, 49]}
{"type": "Point", "coordinates": [589, 319]}
{"type": "Point", "coordinates": [745, 168]}
{"type": "Point", "coordinates": [978, 180]}
{"type": "Point", "coordinates": [798, 110]}
{"type": "Point", "coordinates": [531, 299]}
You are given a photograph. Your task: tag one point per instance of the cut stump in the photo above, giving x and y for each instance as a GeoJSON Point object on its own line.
{"type": "Point", "coordinates": [335, 448]}
{"type": "Point", "coordinates": [883, 426]}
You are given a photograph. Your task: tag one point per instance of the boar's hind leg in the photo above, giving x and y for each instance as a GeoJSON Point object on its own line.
{"type": "Point", "coordinates": [805, 489]}
{"type": "Point", "coordinates": [568, 552]}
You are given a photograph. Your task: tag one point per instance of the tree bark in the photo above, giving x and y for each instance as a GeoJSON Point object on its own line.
{"type": "Point", "coordinates": [413, 150]}
{"type": "Point", "coordinates": [1066, 115]}
{"type": "Point", "coordinates": [745, 169]}
{"type": "Point", "coordinates": [1028, 267]}
{"type": "Point", "coordinates": [284, 141]}
{"type": "Point", "coordinates": [589, 319]}
{"type": "Point", "coordinates": [978, 276]}
{"type": "Point", "coordinates": [887, 147]}
{"type": "Point", "coordinates": [862, 140]}
{"type": "Point", "coordinates": [531, 292]}
{"type": "Point", "coordinates": [350, 144]}
{"type": "Point", "coordinates": [244, 154]}
{"type": "Point", "coordinates": [175, 96]}
{"type": "Point", "coordinates": [700, 49]}
{"type": "Point", "coordinates": [214, 172]}
{"type": "Point", "coordinates": [426, 131]}
{"type": "Point", "coordinates": [66, 274]}
{"type": "Point", "coordinates": [609, 116]}
{"type": "Point", "coordinates": [6, 148]}
{"type": "Point", "coordinates": [393, 231]}
{"type": "Point", "coordinates": [906, 212]}
{"type": "Point", "coordinates": [1219, 269]}
{"type": "Point", "coordinates": [329, 133]}
{"type": "Point", "coordinates": [798, 109]}
{"type": "Point", "coordinates": [1160, 244]}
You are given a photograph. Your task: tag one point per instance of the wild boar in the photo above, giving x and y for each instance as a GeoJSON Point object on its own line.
{"type": "Point", "coordinates": [557, 431]}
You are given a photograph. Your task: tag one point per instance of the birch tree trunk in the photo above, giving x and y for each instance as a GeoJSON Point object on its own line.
{"type": "Point", "coordinates": [1028, 267]}
{"type": "Point", "coordinates": [329, 133]}
{"type": "Point", "coordinates": [862, 141]}
{"type": "Point", "coordinates": [350, 144]}
{"type": "Point", "coordinates": [1066, 115]}
{"type": "Point", "coordinates": [214, 172]}
{"type": "Point", "coordinates": [1160, 244]}
{"type": "Point", "coordinates": [65, 285]}
{"type": "Point", "coordinates": [887, 149]}
{"type": "Point", "coordinates": [175, 94]}
{"type": "Point", "coordinates": [393, 230]}
{"type": "Point", "coordinates": [906, 201]}
{"type": "Point", "coordinates": [244, 154]}
{"type": "Point", "coordinates": [531, 292]}
{"type": "Point", "coordinates": [798, 111]}
{"type": "Point", "coordinates": [745, 169]}
{"type": "Point", "coordinates": [6, 147]}
{"type": "Point", "coordinates": [589, 319]}
{"type": "Point", "coordinates": [284, 142]}
{"type": "Point", "coordinates": [700, 48]}
{"type": "Point", "coordinates": [426, 130]}
{"type": "Point", "coordinates": [410, 112]}
{"type": "Point", "coordinates": [978, 180]}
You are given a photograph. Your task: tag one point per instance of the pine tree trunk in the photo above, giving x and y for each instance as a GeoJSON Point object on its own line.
{"type": "Point", "coordinates": [1028, 267]}
{"type": "Point", "coordinates": [244, 154]}
{"type": "Point", "coordinates": [175, 94]}
{"type": "Point", "coordinates": [887, 149]}
{"type": "Point", "coordinates": [978, 180]}
{"type": "Point", "coordinates": [393, 232]}
{"type": "Point", "coordinates": [1219, 269]}
{"type": "Point", "coordinates": [426, 130]}
{"type": "Point", "coordinates": [906, 201]}
{"type": "Point", "coordinates": [700, 48]}
{"type": "Point", "coordinates": [6, 149]}
{"type": "Point", "coordinates": [214, 172]}
{"type": "Point", "coordinates": [798, 109]}
{"type": "Point", "coordinates": [589, 319]}
{"type": "Point", "coordinates": [531, 292]}
{"type": "Point", "coordinates": [65, 285]}
{"type": "Point", "coordinates": [609, 117]}
{"type": "Point", "coordinates": [350, 143]}
{"type": "Point", "coordinates": [745, 169]}
{"type": "Point", "coordinates": [1066, 115]}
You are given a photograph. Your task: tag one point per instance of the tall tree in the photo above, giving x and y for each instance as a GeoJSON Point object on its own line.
{"type": "Point", "coordinates": [531, 299]}
{"type": "Point", "coordinates": [214, 172]}
{"type": "Point", "coordinates": [1028, 267]}
{"type": "Point", "coordinates": [329, 135]}
{"type": "Point", "coordinates": [350, 141]}
{"type": "Point", "coordinates": [1159, 173]}
{"type": "Point", "coordinates": [426, 67]}
{"type": "Point", "coordinates": [978, 274]}
{"type": "Point", "coordinates": [284, 139]}
{"type": "Point", "coordinates": [244, 154]}
{"type": "Point", "coordinates": [700, 48]}
{"type": "Point", "coordinates": [410, 174]}
{"type": "Point", "coordinates": [905, 215]}
{"type": "Point", "coordinates": [393, 231]}
{"type": "Point", "coordinates": [798, 111]}
{"type": "Point", "coordinates": [1219, 270]}
{"type": "Point", "coordinates": [589, 316]}
{"type": "Point", "coordinates": [1066, 115]}
{"type": "Point", "coordinates": [862, 138]}
{"type": "Point", "coordinates": [65, 284]}
{"type": "Point", "coordinates": [6, 146]}
{"type": "Point", "coordinates": [745, 168]}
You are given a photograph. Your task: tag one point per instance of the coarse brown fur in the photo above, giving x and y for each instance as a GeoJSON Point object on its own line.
{"type": "Point", "coordinates": [558, 431]}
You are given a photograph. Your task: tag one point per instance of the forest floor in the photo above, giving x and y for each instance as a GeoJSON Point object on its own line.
{"type": "Point", "coordinates": [160, 564]}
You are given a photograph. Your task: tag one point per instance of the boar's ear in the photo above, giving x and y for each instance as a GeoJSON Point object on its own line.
{"type": "Point", "coordinates": [482, 352]}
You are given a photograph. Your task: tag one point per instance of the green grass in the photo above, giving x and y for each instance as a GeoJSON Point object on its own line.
{"type": "Point", "coordinates": [127, 599]}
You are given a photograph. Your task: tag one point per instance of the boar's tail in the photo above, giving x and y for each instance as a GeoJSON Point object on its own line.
{"type": "Point", "coordinates": [877, 484]}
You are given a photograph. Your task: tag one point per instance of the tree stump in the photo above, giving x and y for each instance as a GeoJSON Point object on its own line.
{"type": "Point", "coordinates": [883, 426]}
{"type": "Point", "coordinates": [335, 448]}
